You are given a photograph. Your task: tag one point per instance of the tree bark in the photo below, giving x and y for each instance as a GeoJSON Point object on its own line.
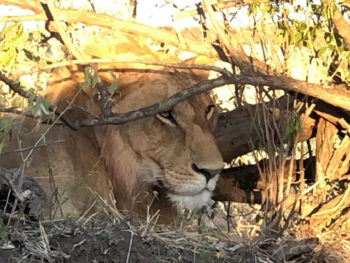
{"type": "Point", "coordinates": [237, 129]}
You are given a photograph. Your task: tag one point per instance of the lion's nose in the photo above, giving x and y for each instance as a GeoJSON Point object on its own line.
{"type": "Point", "coordinates": [208, 173]}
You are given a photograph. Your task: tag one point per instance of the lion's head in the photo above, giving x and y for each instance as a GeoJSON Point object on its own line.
{"type": "Point", "coordinates": [173, 152]}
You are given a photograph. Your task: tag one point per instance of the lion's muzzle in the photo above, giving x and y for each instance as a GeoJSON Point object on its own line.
{"type": "Point", "coordinates": [207, 173]}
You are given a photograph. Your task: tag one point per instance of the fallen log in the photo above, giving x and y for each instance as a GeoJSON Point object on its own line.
{"type": "Point", "coordinates": [237, 129]}
{"type": "Point", "coordinates": [244, 184]}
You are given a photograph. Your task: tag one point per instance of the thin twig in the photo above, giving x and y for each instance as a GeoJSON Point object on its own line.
{"type": "Point", "coordinates": [84, 110]}
{"type": "Point", "coordinates": [49, 128]}
{"type": "Point", "coordinates": [14, 110]}
{"type": "Point", "coordinates": [15, 86]}
{"type": "Point", "coordinates": [100, 62]}
{"type": "Point", "coordinates": [32, 147]}
{"type": "Point", "coordinates": [130, 245]}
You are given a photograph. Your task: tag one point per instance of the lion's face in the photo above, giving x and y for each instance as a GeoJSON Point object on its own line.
{"type": "Point", "coordinates": [192, 175]}
{"type": "Point", "coordinates": [174, 151]}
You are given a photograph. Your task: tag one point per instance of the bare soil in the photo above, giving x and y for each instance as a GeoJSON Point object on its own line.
{"type": "Point", "coordinates": [65, 241]}
{"type": "Point", "coordinates": [104, 241]}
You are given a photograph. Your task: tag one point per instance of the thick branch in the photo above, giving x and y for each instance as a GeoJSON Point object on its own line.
{"type": "Point", "coordinates": [157, 107]}
{"type": "Point", "coordinates": [336, 95]}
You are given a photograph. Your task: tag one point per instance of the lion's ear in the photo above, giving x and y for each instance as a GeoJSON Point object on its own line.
{"type": "Point", "coordinates": [201, 60]}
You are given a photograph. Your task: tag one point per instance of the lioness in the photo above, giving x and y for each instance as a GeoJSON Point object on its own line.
{"type": "Point", "coordinates": [173, 152]}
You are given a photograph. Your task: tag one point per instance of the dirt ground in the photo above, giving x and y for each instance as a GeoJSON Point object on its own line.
{"type": "Point", "coordinates": [65, 241]}
{"type": "Point", "coordinates": [199, 237]}
{"type": "Point", "coordinates": [104, 241]}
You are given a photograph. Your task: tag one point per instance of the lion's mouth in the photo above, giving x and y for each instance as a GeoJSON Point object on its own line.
{"type": "Point", "coordinates": [190, 200]}
{"type": "Point", "coordinates": [193, 201]}
{"type": "Point", "coordinates": [190, 194]}
{"type": "Point", "coordinates": [160, 186]}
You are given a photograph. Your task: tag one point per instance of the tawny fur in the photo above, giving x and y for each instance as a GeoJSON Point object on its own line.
{"type": "Point", "coordinates": [130, 159]}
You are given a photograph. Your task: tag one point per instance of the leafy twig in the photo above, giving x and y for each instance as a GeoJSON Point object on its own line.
{"type": "Point", "coordinates": [32, 147]}
{"type": "Point", "coordinates": [15, 86]}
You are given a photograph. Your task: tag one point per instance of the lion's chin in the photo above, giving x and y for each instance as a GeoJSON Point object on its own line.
{"type": "Point", "coordinates": [191, 202]}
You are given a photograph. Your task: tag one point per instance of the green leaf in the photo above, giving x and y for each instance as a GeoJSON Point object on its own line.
{"type": "Point", "coordinates": [302, 26]}
{"type": "Point", "coordinates": [90, 78]}
{"type": "Point", "coordinates": [12, 40]}
{"type": "Point", "coordinates": [331, 47]}
{"type": "Point", "coordinates": [44, 109]}
{"type": "Point", "coordinates": [39, 107]}
{"type": "Point", "coordinates": [321, 51]}
{"type": "Point", "coordinates": [298, 37]}
{"type": "Point", "coordinates": [113, 87]}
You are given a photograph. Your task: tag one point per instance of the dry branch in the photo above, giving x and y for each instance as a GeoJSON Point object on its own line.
{"type": "Point", "coordinates": [157, 107]}
{"type": "Point", "coordinates": [336, 95]}
{"type": "Point", "coordinates": [113, 63]}
{"type": "Point", "coordinates": [15, 86]}
{"type": "Point", "coordinates": [341, 98]}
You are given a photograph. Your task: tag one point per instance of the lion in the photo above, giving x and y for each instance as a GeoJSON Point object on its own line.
{"type": "Point", "coordinates": [163, 163]}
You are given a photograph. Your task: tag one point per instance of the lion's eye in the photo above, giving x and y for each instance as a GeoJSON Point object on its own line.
{"type": "Point", "coordinates": [209, 112]}
{"type": "Point", "coordinates": [167, 117]}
